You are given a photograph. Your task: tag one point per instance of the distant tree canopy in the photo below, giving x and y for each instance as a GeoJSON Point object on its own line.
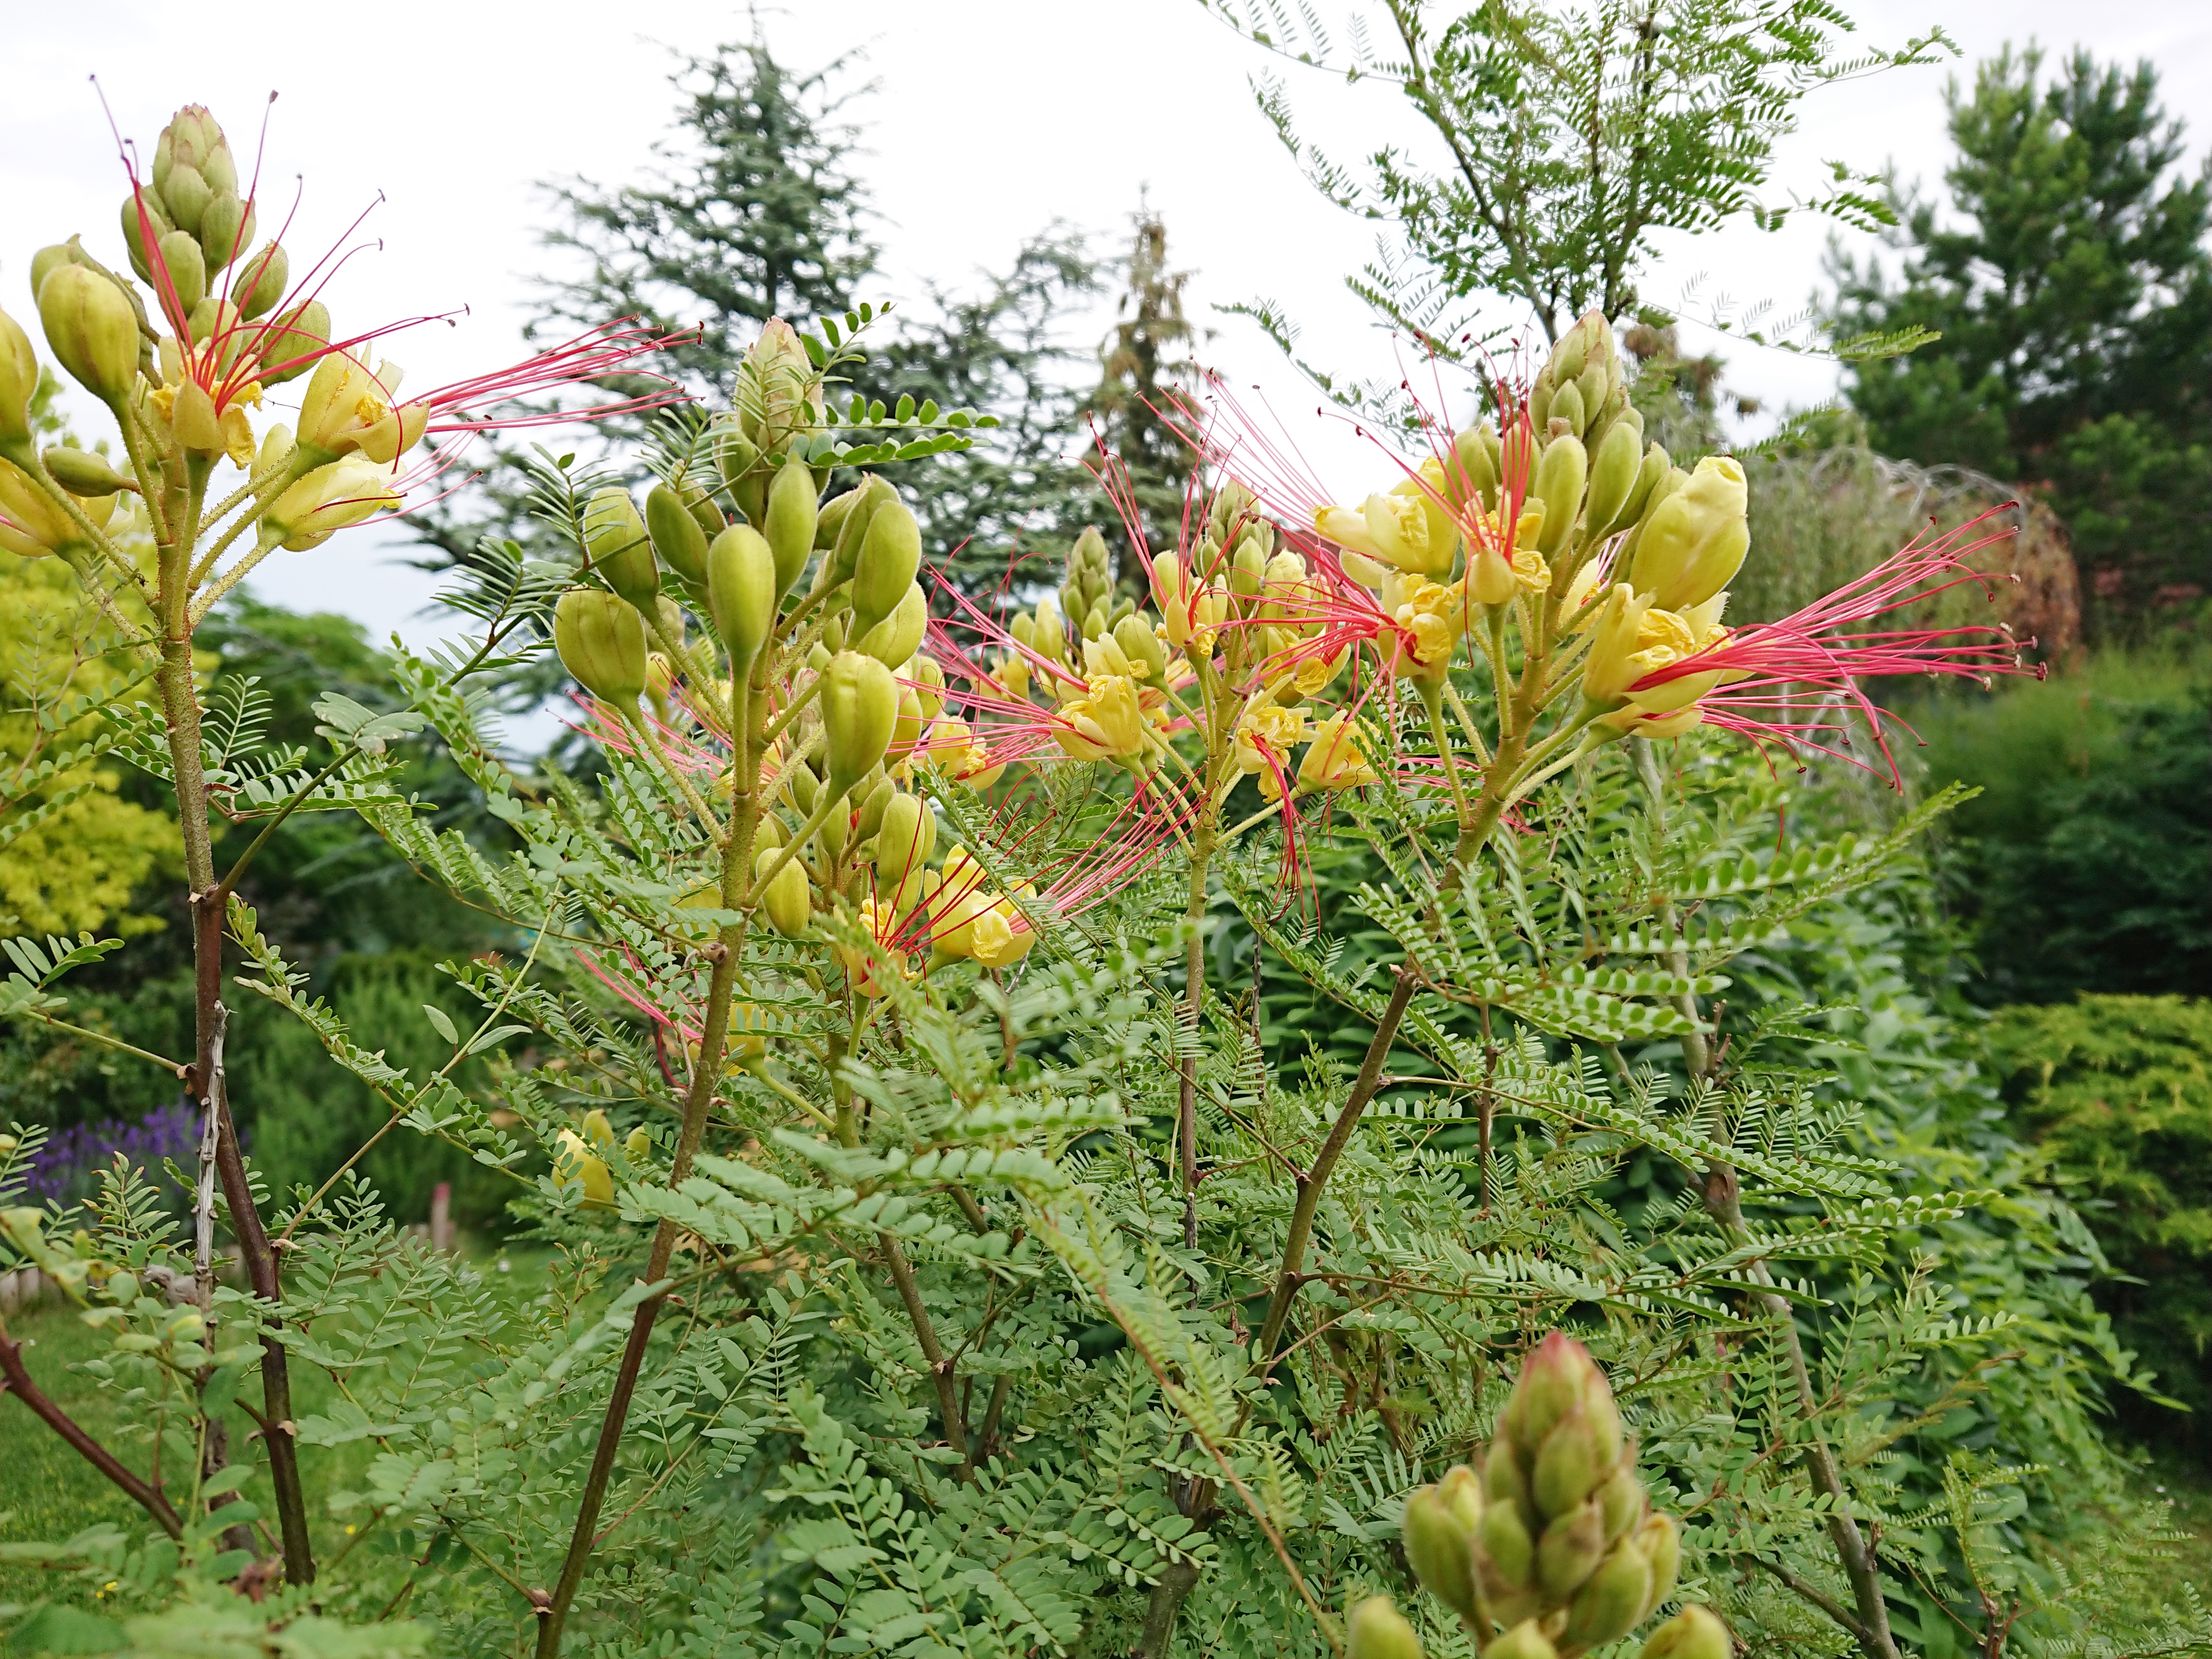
{"type": "Point", "coordinates": [2071, 283]}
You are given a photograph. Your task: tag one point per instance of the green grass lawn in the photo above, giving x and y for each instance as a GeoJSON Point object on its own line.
{"type": "Point", "coordinates": [49, 1494]}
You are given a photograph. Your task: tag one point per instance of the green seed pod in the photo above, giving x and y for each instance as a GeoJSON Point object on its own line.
{"type": "Point", "coordinates": [676, 533]}
{"type": "Point", "coordinates": [741, 593]}
{"type": "Point", "coordinates": [1377, 1630]}
{"type": "Point", "coordinates": [601, 641]}
{"type": "Point", "coordinates": [1440, 1549]}
{"type": "Point", "coordinates": [860, 706]}
{"type": "Point", "coordinates": [19, 379]}
{"type": "Point", "coordinates": [894, 640]}
{"type": "Point", "coordinates": [84, 474]}
{"type": "Point", "coordinates": [91, 329]}
{"type": "Point", "coordinates": [180, 253]}
{"type": "Point", "coordinates": [1662, 1545]}
{"type": "Point", "coordinates": [1609, 1606]}
{"type": "Point", "coordinates": [1559, 475]}
{"type": "Point", "coordinates": [1526, 1640]}
{"type": "Point", "coordinates": [905, 838]}
{"type": "Point", "coordinates": [264, 277]}
{"type": "Point", "coordinates": [891, 553]}
{"type": "Point", "coordinates": [226, 229]}
{"type": "Point", "coordinates": [1570, 1550]}
{"type": "Point", "coordinates": [1566, 405]}
{"type": "Point", "coordinates": [1613, 476]}
{"type": "Point", "coordinates": [792, 515]}
{"type": "Point", "coordinates": [788, 900]}
{"type": "Point", "coordinates": [614, 535]}
{"type": "Point", "coordinates": [1507, 1549]}
{"type": "Point", "coordinates": [290, 346]}
{"type": "Point", "coordinates": [1692, 1633]}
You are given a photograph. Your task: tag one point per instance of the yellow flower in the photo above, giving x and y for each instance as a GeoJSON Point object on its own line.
{"type": "Point", "coordinates": [861, 966]}
{"type": "Point", "coordinates": [576, 1162]}
{"type": "Point", "coordinates": [952, 749]}
{"type": "Point", "coordinates": [348, 408]}
{"type": "Point", "coordinates": [330, 498]}
{"type": "Point", "coordinates": [1001, 936]}
{"type": "Point", "coordinates": [1265, 733]}
{"type": "Point", "coordinates": [33, 523]}
{"type": "Point", "coordinates": [1105, 724]}
{"type": "Point", "coordinates": [1682, 633]}
{"type": "Point", "coordinates": [1433, 614]}
{"type": "Point", "coordinates": [1337, 756]}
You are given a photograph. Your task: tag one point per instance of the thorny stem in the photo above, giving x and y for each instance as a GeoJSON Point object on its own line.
{"type": "Point", "coordinates": [1723, 1201]}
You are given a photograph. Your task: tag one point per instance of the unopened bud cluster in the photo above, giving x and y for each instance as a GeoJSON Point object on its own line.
{"type": "Point", "coordinates": [1551, 1548]}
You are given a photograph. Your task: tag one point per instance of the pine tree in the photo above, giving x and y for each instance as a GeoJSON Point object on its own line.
{"type": "Point", "coordinates": [1147, 367]}
{"type": "Point", "coordinates": [2072, 285]}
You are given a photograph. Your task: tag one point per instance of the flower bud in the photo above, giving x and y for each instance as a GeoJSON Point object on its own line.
{"type": "Point", "coordinates": [741, 593]}
{"type": "Point", "coordinates": [890, 555]}
{"type": "Point", "coordinates": [1565, 414]}
{"type": "Point", "coordinates": [1692, 1633]}
{"type": "Point", "coordinates": [1655, 466]}
{"type": "Point", "coordinates": [184, 197]}
{"type": "Point", "coordinates": [1567, 1468]}
{"type": "Point", "coordinates": [1592, 387]}
{"type": "Point", "coordinates": [700, 502]}
{"type": "Point", "coordinates": [1526, 1640]}
{"type": "Point", "coordinates": [905, 731]}
{"type": "Point", "coordinates": [1623, 1499]}
{"type": "Point", "coordinates": [1472, 476]}
{"type": "Point", "coordinates": [735, 455]}
{"type": "Point", "coordinates": [1610, 1605]}
{"type": "Point", "coordinates": [1614, 476]}
{"type": "Point", "coordinates": [791, 516]}
{"type": "Point", "coordinates": [1560, 476]}
{"type": "Point", "coordinates": [894, 640]}
{"type": "Point", "coordinates": [262, 282]}
{"type": "Point", "coordinates": [1148, 658]}
{"type": "Point", "coordinates": [188, 269]}
{"type": "Point", "coordinates": [676, 534]}
{"type": "Point", "coordinates": [1661, 1543]}
{"type": "Point", "coordinates": [1694, 541]}
{"type": "Point", "coordinates": [1440, 1547]}
{"type": "Point", "coordinates": [139, 233]}
{"type": "Point", "coordinates": [905, 838]}
{"type": "Point", "coordinates": [614, 536]}
{"type": "Point", "coordinates": [226, 229]}
{"type": "Point", "coordinates": [1377, 1630]}
{"type": "Point", "coordinates": [1571, 1549]}
{"type": "Point", "coordinates": [874, 794]}
{"type": "Point", "coordinates": [576, 1162]}
{"type": "Point", "coordinates": [1507, 1550]}
{"type": "Point", "coordinates": [601, 641]}
{"type": "Point", "coordinates": [927, 679]}
{"type": "Point", "coordinates": [788, 900]}
{"type": "Point", "coordinates": [84, 474]}
{"type": "Point", "coordinates": [860, 706]}
{"type": "Point", "coordinates": [293, 344]}
{"type": "Point", "coordinates": [91, 329]}
{"type": "Point", "coordinates": [19, 379]}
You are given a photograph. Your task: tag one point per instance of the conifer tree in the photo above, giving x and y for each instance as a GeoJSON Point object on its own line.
{"type": "Point", "coordinates": [2071, 283]}
{"type": "Point", "coordinates": [1147, 364]}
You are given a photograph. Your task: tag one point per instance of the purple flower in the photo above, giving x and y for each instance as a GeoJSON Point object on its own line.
{"type": "Point", "coordinates": [67, 1169]}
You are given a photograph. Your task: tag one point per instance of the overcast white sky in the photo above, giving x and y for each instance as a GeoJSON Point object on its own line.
{"type": "Point", "coordinates": [988, 119]}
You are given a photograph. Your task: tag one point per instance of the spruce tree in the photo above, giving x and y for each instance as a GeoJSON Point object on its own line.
{"type": "Point", "coordinates": [2072, 285]}
{"type": "Point", "coordinates": [1148, 368]}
